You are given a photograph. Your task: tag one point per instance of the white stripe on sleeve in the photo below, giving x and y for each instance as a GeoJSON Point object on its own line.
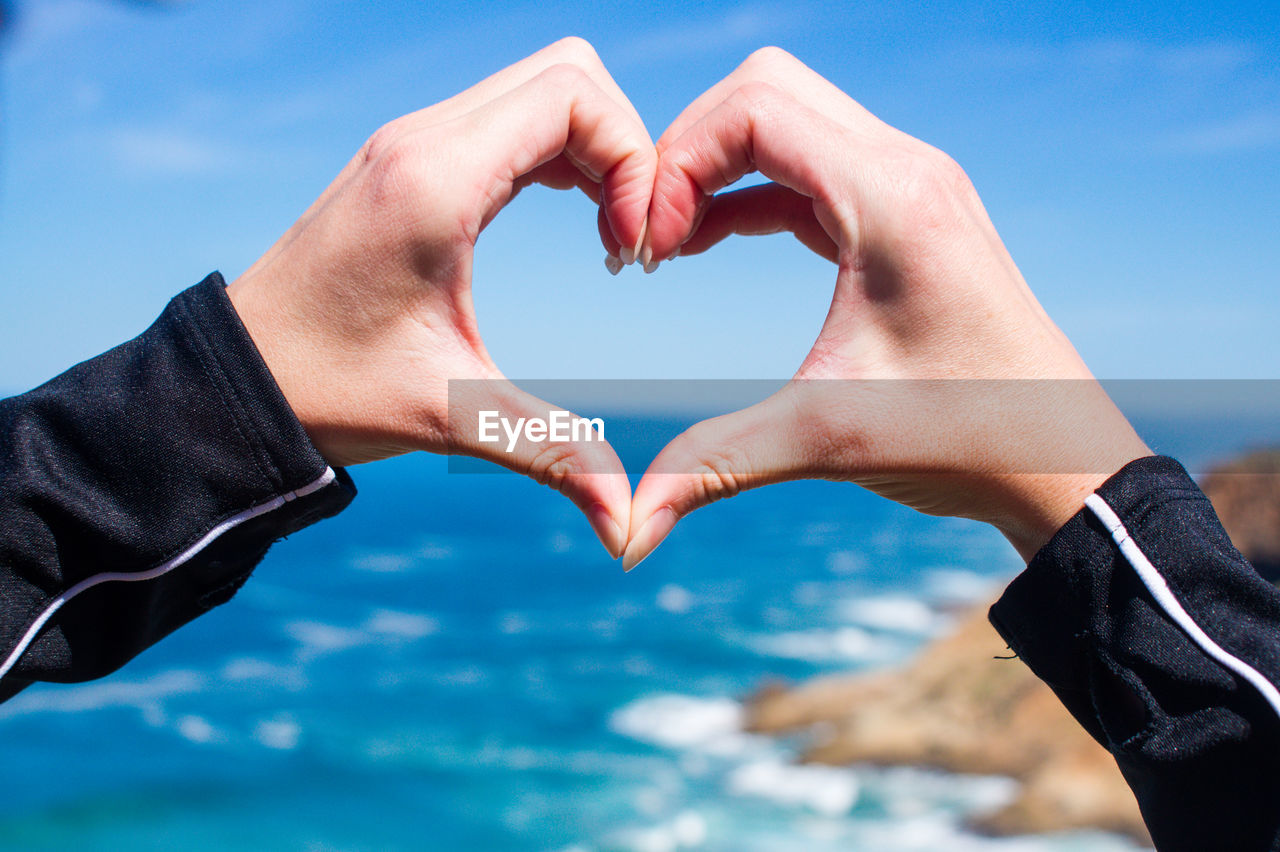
{"type": "Point", "coordinates": [1164, 597]}
{"type": "Point", "coordinates": [160, 570]}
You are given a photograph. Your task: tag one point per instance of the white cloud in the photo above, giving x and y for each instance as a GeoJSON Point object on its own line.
{"type": "Point", "coordinates": [1203, 60]}
{"type": "Point", "coordinates": [167, 151]}
{"type": "Point", "coordinates": [1206, 58]}
{"type": "Point", "coordinates": [39, 27]}
{"type": "Point", "coordinates": [1196, 60]}
{"type": "Point", "coordinates": [754, 26]}
{"type": "Point", "coordinates": [1249, 132]}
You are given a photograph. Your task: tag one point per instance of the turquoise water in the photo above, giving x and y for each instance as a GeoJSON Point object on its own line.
{"type": "Point", "coordinates": [454, 663]}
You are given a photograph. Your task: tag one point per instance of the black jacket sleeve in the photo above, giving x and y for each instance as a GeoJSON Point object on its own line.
{"type": "Point", "coordinates": [140, 488]}
{"type": "Point", "coordinates": [1185, 701]}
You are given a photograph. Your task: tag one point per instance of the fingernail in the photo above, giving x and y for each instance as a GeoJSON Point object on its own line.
{"type": "Point", "coordinates": [635, 251]}
{"type": "Point", "coordinates": [627, 256]}
{"type": "Point", "coordinates": [675, 253]}
{"type": "Point", "coordinates": [647, 261]}
{"type": "Point", "coordinates": [613, 264]}
{"type": "Point", "coordinates": [607, 529]}
{"type": "Point", "coordinates": [650, 536]}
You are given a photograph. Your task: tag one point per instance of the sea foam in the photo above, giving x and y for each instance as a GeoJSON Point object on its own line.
{"type": "Point", "coordinates": [682, 722]}
{"type": "Point", "coordinates": [96, 696]}
{"type": "Point", "coordinates": [401, 625]}
{"type": "Point", "coordinates": [843, 644]}
{"type": "Point", "coordinates": [892, 613]}
{"type": "Point", "coordinates": [827, 790]}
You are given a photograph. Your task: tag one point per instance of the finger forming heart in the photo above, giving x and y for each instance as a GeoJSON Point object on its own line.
{"type": "Point", "coordinates": [376, 278]}
{"type": "Point", "coordinates": [936, 380]}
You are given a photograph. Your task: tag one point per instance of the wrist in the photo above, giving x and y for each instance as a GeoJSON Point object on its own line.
{"type": "Point", "coordinates": [1046, 503]}
{"type": "Point", "coordinates": [1069, 444]}
{"type": "Point", "coordinates": [262, 323]}
{"type": "Point", "coordinates": [1043, 503]}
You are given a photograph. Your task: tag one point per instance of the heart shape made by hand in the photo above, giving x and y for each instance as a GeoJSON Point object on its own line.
{"type": "Point", "coordinates": [364, 310]}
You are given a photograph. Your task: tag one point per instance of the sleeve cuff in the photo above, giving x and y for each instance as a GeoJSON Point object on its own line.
{"type": "Point", "coordinates": [1043, 614]}
{"type": "Point", "coordinates": [141, 488]}
{"type": "Point", "coordinates": [279, 446]}
{"type": "Point", "coordinates": [1080, 607]}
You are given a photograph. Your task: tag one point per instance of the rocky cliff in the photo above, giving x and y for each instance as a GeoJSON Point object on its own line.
{"type": "Point", "coordinates": [1246, 494]}
{"type": "Point", "coordinates": [957, 707]}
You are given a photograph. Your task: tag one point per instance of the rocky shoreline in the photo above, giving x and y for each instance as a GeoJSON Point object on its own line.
{"type": "Point", "coordinates": [957, 707]}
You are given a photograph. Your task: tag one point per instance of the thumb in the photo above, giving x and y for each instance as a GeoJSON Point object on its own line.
{"type": "Point", "coordinates": [494, 420]}
{"type": "Point", "coordinates": [715, 458]}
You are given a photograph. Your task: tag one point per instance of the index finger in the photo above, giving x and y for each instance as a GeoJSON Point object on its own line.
{"type": "Point", "coordinates": [562, 111]}
{"type": "Point", "coordinates": [775, 66]}
{"type": "Point", "coordinates": [567, 51]}
{"type": "Point", "coordinates": [756, 127]}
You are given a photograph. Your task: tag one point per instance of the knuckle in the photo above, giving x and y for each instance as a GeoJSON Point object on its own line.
{"type": "Point", "coordinates": [757, 100]}
{"type": "Point", "coordinates": [575, 49]}
{"type": "Point", "coordinates": [948, 172]}
{"type": "Point", "coordinates": [768, 57]}
{"type": "Point", "coordinates": [714, 480]}
{"type": "Point", "coordinates": [382, 139]}
{"type": "Point", "coordinates": [719, 473]}
{"type": "Point", "coordinates": [563, 77]}
{"type": "Point", "coordinates": [552, 465]}
{"type": "Point", "coordinates": [920, 181]}
{"type": "Point", "coordinates": [396, 174]}
{"type": "Point", "coordinates": [401, 171]}
{"type": "Point", "coordinates": [931, 179]}
{"type": "Point", "coordinates": [756, 93]}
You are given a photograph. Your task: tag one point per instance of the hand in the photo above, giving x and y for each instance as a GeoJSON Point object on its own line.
{"type": "Point", "coordinates": [906, 390]}
{"type": "Point", "coordinates": [363, 310]}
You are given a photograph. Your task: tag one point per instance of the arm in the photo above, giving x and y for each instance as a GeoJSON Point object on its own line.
{"type": "Point", "coordinates": [1164, 643]}
{"type": "Point", "coordinates": [140, 488]}
{"type": "Point", "coordinates": [938, 381]}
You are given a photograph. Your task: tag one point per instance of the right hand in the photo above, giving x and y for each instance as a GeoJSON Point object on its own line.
{"type": "Point", "coordinates": [926, 300]}
{"type": "Point", "coordinates": [363, 309]}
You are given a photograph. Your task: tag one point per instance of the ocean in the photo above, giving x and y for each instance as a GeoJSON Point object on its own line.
{"type": "Point", "coordinates": [455, 663]}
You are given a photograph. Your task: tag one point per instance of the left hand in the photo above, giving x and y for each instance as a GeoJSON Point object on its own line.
{"type": "Point", "coordinates": [363, 309]}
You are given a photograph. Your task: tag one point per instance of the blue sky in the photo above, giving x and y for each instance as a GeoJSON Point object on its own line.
{"type": "Point", "coordinates": [1128, 153]}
